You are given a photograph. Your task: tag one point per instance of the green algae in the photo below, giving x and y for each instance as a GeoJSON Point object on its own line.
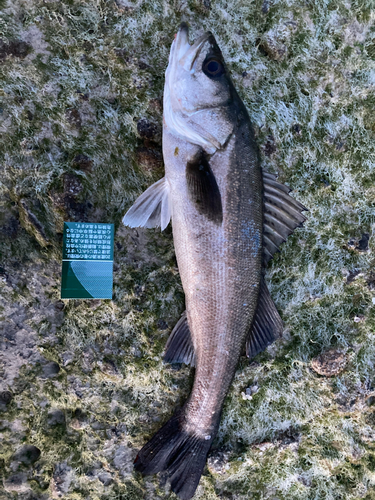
{"type": "Point", "coordinates": [79, 93]}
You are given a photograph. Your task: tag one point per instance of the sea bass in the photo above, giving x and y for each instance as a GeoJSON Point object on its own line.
{"type": "Point", "coordinates": [229, 217]}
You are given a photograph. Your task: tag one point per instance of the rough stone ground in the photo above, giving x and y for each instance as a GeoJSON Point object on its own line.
{"type": "Point", "coordinates": [83, 385]}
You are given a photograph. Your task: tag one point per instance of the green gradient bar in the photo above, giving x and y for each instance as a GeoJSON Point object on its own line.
{"type": "Point", "coordinates": [87, 268]}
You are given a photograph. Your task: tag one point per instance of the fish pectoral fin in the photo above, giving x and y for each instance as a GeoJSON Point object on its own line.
{"type": "Point", "coordinates": [282, 214]}
{"type": "Point", "coordinates": [267, 325]}
{"type": "Point", "coordinates": [203, 189]}
{"type": "Point", "coordinates": [179, 348]}
{"type": "Point", "coordinates": [152, 208]}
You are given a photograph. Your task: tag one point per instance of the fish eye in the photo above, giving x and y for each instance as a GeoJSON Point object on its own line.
{"type": "Point", "coordinates": [213, 68]}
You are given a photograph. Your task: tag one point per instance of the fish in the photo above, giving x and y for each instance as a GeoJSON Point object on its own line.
{"type": "Point", "coordinates": [229, 217]}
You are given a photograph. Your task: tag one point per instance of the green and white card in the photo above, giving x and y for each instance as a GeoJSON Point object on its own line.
{"type": "Point", "coordinates": [87, 267]}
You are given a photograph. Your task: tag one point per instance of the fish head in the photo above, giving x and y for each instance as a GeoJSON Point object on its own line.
{"type": "Point", "coordinates": [198, 93]}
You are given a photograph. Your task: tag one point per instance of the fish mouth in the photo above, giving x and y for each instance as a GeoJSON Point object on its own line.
{"type": "Point", "coordinates": [176, 107]}
{"type": "Point", "coordinates": [184, 53]}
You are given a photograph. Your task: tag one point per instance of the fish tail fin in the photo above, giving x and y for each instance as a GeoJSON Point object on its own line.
{"type": "Point", "coordinates": [181, 454]}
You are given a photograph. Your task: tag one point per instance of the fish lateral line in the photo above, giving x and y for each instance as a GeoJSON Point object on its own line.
{"type": "Point", "coordinates": [232, 291]}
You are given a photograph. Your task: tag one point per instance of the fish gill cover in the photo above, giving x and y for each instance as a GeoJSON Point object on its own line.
{"type": "Point", "coordinates": [82, 382]}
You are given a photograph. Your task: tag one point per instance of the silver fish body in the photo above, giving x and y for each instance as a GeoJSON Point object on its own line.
{"type": "Point", "coordinates": [219, 264]}
{"type": "Point", "coordinates": [228, 219]}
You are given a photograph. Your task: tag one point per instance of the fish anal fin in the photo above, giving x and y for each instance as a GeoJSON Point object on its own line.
{"type": "Point", "coordinates": [203, 189]}
{"type": "Point", "coordinates": [152, 208]}
{"type": "Point", "coordinates": [267, 325]}
{"type": "Point", "coordinates": [179, 347]}
{"type": "Point", "coordinates": [282, 214]}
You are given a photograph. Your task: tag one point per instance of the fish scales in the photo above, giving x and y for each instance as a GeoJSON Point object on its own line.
{"type": "Point", "coordinates": [220, 266]}
{"type": "Point", "coordinates": [228, 220]}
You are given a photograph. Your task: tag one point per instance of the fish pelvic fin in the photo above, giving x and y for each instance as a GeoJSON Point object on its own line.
{"type": "Point", "coordinates": [180, 454]}
{"type": "Point", "coordinates": [179, 347]}
{"type": "Point", "coordinates": [152, 208]}
{"type": "Point", "coordinates": [267, 325]}
{"type": "Point", "coordinates": [282, 214]}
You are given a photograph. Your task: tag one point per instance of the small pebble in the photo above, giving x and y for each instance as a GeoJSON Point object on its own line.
{"type": "Point", "coordinates": [246, 396]}
{"type": "Point", "coordinates": [330, 363]}
{"type": "Point", "coordinates": [27, 455]}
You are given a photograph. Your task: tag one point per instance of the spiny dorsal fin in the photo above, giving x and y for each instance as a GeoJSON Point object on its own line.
{"type": "Point", "coordinates": [152, 208]}
{"type": "Point", "coordinates": [203, 189]}
{"type": "Point", "coordinates": [267, 325]}
{"type": "Point", "coordinates": [179, 348]}
{"type": "Point", "coordinates": [282, 214]}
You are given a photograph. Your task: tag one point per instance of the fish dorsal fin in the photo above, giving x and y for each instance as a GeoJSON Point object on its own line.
{"type": "Point", "coordinates": [179, 348]}
{"type": "Point", "coordinates": [203, 189]}
{"type": "Point", "coordinates": [152, 208]}
{"type": "Point", "coordinates": [282, 214]}
{"type": "Point", "coordinates": [267, 325]}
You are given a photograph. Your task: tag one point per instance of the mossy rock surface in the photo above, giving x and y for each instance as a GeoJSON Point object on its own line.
{"type": "Point", "coordinates": [82, 382]}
